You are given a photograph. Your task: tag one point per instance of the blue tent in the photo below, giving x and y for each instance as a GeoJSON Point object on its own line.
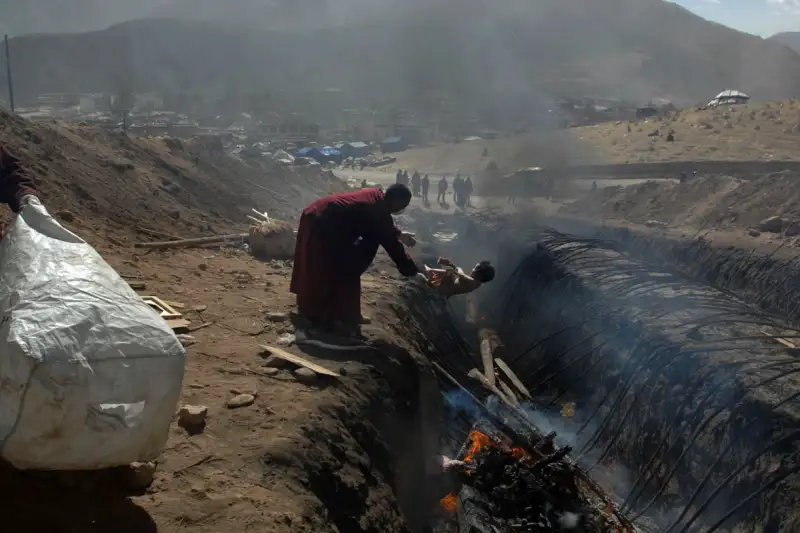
{"type": "Point", "coordinates": [312, 152]}
{"type": "Point", "coordinates": [329, 153]}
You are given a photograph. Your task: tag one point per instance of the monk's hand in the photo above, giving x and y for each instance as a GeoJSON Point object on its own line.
{"type": "Point", "coordinates": [409, 239]}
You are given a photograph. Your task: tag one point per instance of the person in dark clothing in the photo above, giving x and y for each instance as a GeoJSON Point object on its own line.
{"type": "Point", "coordinates": [457, 190]}
{"type": "Point", "coordinates": [415, 183]}
{"type": "Point", "coordinates": [16, 182]}
{"type": "Point", "coordinates": [337, 240]}
{"type": "Point", "coordinates": [405, 178]}
{"type": "Point", "coordinates": [399, 177]}
{"type": "Point", "coordinates": [426, 184]}
{"type": "Point", "coordinates": [468, 190]}
{"type": "Point", "coordinates": [442, 196]}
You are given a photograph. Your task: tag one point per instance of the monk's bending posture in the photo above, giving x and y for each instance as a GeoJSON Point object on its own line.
{"type": "Point", "coordinates": [451, 280]}
{"type": "Point", "coordinates": [337, 240]}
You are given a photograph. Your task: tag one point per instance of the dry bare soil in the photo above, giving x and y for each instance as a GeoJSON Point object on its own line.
{"type": "Point", "coordinates": [309, 454]}
{"type": "Point", "coordinates": [760, 131]}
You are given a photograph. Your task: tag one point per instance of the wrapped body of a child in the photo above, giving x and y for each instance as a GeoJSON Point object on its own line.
{"type": "Point", "coordinates": [452, 280]}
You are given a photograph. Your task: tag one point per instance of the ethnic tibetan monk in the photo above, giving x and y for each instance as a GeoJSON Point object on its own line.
{"type": "Point", "coordinates": [16, 183]}
{"type": "Point", "coordinates": [337, 240]}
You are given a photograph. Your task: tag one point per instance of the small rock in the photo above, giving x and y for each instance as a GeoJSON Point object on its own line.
{"type": "Point", "coordinates": [305, 375]}
{"type": "Point", "coordinates": [202, 266]}
{"type": "Point", "coordinates": [192, 415]}
{"type": "Point", "coordinates": [199, 308]}
{"type": "Point", "coordinates": [242, 400]}
{"type": "Point", "coordinates": [140, 475]}
{"type": "Point", "coordinates": [754, 233]}
{"type": "Point", "coordinates": [286, 339]}
{"type": "Point", "coordinates": [66, 216]}
{"type": "Point", "coordinates": [771, 224]}
{"type": "Point", "coordinates": [271, 371]}
{"type": "Point", "coordinates": [276, 362]}
{"type": "Point", "coordinates": [793, 229]}
{"type": "Point", "coordinates": [277, 317]}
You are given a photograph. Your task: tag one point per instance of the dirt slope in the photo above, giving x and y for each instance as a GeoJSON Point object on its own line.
{"type": "Point", "coordinates": [108, 185]}
{"type": "Point", "coordinates": [711, 202]}
{"type": "Point", "coordinates": [759, 131]}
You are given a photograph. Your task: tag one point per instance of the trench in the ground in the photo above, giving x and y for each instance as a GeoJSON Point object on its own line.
{"type": "Point", "coordinates": [684, 406]}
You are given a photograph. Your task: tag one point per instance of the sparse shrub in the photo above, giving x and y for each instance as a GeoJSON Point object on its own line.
{"type": "Point", "coordinates": [757, 127]}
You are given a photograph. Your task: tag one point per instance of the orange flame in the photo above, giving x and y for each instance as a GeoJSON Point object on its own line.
{"type": "Point", "coordinates": [449, 503]}
{"type": "Point", "coordinates": [518, 453]}
{"type": "Point", "coordinates": [478, 442]}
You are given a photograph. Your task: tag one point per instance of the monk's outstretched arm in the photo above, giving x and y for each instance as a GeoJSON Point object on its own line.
{"type": "Point", "coordinates": [389, 236]}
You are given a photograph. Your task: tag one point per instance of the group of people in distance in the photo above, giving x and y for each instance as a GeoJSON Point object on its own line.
{"type": "Point", "coordinates": [462, 188]}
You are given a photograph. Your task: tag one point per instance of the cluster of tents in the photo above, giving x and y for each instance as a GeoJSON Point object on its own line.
{"type": "Point", "coordinates": [335, 154]}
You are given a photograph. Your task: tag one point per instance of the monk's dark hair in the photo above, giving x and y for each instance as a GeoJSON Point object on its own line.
{"type": "Point", "coordinates": [484, 272]}
{"type": "Point", "coordinates": [398, 194]}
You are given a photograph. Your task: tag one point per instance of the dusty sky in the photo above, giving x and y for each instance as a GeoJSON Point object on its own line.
{"type": "Point", "coordinates": [759, 17]}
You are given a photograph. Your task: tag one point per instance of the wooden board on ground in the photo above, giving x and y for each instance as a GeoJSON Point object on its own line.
{"type": "Point", "coordinates": [166, 311]}
{"type": "Point", "coordinates": [300, 361]}
{"type": "Point", "coordinates": [512, 377]}
{"type": "Point", "coordinates": [178, 323]}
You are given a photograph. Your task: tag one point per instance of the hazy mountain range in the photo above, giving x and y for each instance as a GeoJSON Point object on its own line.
{"type": "Point", "coordinates": [401, 52]}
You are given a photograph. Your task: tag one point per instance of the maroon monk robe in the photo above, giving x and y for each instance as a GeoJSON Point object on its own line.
{"type": "Point", "coordinates": [15, 182]}
{"type": "Point", "coordinates": [337, 240]}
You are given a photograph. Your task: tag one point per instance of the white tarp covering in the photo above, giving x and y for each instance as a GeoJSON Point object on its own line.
{"type": "Point", "coordinates": [90, 375]}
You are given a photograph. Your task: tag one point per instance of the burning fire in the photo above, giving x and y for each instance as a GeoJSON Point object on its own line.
{"type": "Point", "coordinates": [449, 503]}
{"type": "Point", "coordinates": [478, 441]}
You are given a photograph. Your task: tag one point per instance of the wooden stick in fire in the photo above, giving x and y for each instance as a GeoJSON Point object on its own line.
{"type": "Point", "coordinates": [517, 439]}
{"type": "Point", "coordinates": [487, 352]}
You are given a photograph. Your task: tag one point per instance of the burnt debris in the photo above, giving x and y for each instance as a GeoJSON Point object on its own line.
{"type": "Point", "coordinates": [506, 489]}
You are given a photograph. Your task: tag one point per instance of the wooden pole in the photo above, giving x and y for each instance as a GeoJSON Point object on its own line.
{"type": "Point", "coordinates": [185, 243]}
{"type": "Point", "coordinates": [8, 75]}
{"type": "Point", "coordinates": [487, 351]}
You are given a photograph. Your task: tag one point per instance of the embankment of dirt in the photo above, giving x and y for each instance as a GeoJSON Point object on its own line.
{"type": "Point", "coordinates": [107, 184]}
{"type": "Point", "coordinates": [708, 202]}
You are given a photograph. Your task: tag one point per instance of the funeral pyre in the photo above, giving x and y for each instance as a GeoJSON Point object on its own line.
{"type": "Point", "coordinates": [529, 486]}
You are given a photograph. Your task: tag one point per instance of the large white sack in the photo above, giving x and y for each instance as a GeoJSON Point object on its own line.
{"type": "Point", "coordinates": [90, 375]}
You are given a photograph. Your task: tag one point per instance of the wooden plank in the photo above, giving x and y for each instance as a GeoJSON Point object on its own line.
{"type": "Point", "coordinates": [178, 323]}
{"type": "Point", "coordinates": [185, 243]}
{"type": "Point", "coordinates": [300, 361]}
{"type": "Point", "coordinates": [175, 305]}
{"type": "Point", "coordinates": [512, 377]}
{"type": "Point", "coordinates": [487, 351]}
{"type": "Point", "coordinates": [166, 311]}
{"type": "Point", "coordinates": [509, 393]}
{"type": "Point", "coordinates": [480, 378]}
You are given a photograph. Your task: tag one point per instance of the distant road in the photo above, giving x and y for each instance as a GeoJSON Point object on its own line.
{"type": "Point", "coordinates": [672, 169]}
{"type": "Point", "coordinates": [631, 171]}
